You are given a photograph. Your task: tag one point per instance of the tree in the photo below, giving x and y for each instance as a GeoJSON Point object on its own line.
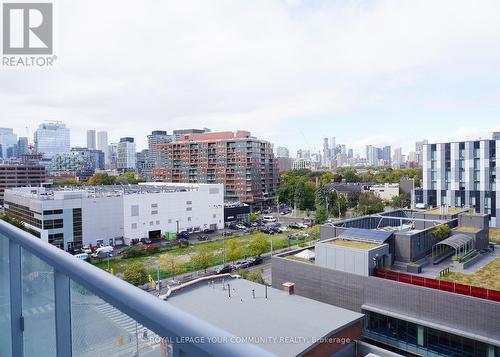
{"type": "Point", "coordinates": [101, 179]}
{"type": "Point", "coordinates": [441, 232]}
{"type": "Point", "coordinates": [321, 199]}
{"type": "Point", "coordinates": [340, 205]}
{"type": "Point", "coordinates": [400, 201]}
{"type": "Point", "coordinates": [326, 177]}
{"type": "Point", "coordinates": [258, 245]}
{"type": "Point", "coordinates": [252, 217]}
{"type": "Point", "coordinates": [320, 216]}
{"type": "Point", "coordinates": [369, 203]}
{"type": "Point", "coordinates": [12, 220]}
{"type": "Point", "coordinates": [136, 274]}
{"type": "Point", "coordinates": [299, 195]}
{"type": "Point", "coordinates": [233, 250]}
{"type": "Point", "coordinates": [352, 199]}
{"type": "Point", "coordinates": [202, 258]}
{"type": "Point", "coordinates": [171, 263]}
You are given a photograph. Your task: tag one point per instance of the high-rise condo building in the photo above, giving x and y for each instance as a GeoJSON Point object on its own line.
{"type": "Point", "coordinates": [462, 174]}
{"type": "Point", "coordinates": [52, 138]}
{"type": "Point", "coordinates": [91, 142]}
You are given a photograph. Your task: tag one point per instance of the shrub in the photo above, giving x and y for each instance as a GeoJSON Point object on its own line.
{"type": "Point", "coordinates": [136, 274]}
{"type": "Point", "coordinates": [441, 231]}
{"type": "Point", "coordinates": [134, 252]}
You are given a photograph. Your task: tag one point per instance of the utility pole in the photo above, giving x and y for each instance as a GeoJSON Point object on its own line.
{"type": "Point", "coordinates": [159, 280]}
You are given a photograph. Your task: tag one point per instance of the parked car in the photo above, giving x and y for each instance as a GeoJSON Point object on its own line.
{"type": "Point", "coordinates": [82, 256]}
{"type": "Point", "coordinates": [269, 219]}
{"type": "Point", "coordinates": [254, 261]}
{"type": "Point", "coordinates": [103, 252]}
{"type": "Point", "coordinates": [227, 233]}
{"type": "Point", "coordinates": [295, 225]}
{"type": "Point", "coordinates": [146, 241]}
{"type": "Point", "coordinates": [282, 229]}
{"type": "Point", "coordinates": [242, 264]}
{"type": "Point", "coordinates": [224, 269]}
{"type": "Point", "coordinates": [87, 249]}
{"type": "Point", "coordinates": [203, 238]}
{"type": "Point", "coordinates": [267, 230]}
{"type": "Point", "coordinates": [208, 230]}
{"type": "Point", "coordinates": [184, 235]}
{"type": "Point", "coordinates": [308, 222]}
{"type": "Point", "coordinates": [240, 226]}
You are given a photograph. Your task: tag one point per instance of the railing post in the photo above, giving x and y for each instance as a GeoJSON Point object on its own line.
{"type": "Point", "coordinates": [16, 302]}
{"type": "Point", "coordinates": [63, 314]}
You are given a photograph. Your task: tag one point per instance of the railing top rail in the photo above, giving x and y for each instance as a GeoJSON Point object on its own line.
{"type": "Point", "coordinates": [161, 317]}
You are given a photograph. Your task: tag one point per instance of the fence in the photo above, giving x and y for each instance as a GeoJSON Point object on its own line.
{"type": "Point", "coordinates": [452, 287]}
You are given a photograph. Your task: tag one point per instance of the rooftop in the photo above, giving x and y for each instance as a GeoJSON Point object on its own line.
{"type": "Point", "coordinates": [293, 317]}
{"type": "Point", "coordinates": [45, 193]}
{"type": "Point", "coordinates": [467, 229]}
{"type": "Point", "coordinates": [449, 210]}
{"type": "Point", "coordinates": [354, 244]}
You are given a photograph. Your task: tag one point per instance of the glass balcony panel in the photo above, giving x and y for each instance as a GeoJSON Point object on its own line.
{"type": "Point", "coordinates": [99, 329]}
{"type": "Point", "coordinates": [39, 337]}
{"type": "Point", "coordinates": [5, 334]}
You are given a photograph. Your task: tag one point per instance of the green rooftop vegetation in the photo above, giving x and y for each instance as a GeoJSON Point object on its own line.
{"type": "Point", "coordinates": [495, 235]}
{"type": "Point", "coordinates": [451, 210]}
{"type": "Point", "coordinates": [354, 244]}
{"type": "Point", "coordinates": [467, 229]}
{"type": "Point", "coordinates": [487, 277]}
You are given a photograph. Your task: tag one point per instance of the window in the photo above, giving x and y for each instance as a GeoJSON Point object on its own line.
{"type": "Point", "coordinates": [189, 219]}
{"type": "Point", "coordinates": [157, 222]}
{"type": "Point", "coordinates": [214, 216]}
{"type": "Point", "coordinates": [189, 202]}
{"type": "Point", "coordinates": [134, 225]}
{"type": "Point", "coordinates": [154, 205]}
{"type": "Point", "coordinates": [169, 221]}
{"type": "Point", "coordinates": [154, 212]}
{"type": "Point", "coordinates": [189, 208]}
{"type": "Point", "coordinates": [134, 210]}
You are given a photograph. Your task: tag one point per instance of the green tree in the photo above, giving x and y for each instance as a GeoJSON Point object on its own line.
{"type": "Point", "coordinates": [252, 217]}
{"type": "Point", "coordinates": [441, 231]}
{"type": "Point", "coordinates": [258, 245]}
{"type": "Point", "coordinates": [320, 216]}
{"type": "Point", "coordinates": [340, 205]}
{"type": "Point", "coordinates": [101, 179]}
{"type": "Point", "coordinates": [300, 195]}
{"type": "Point", "coordinates": [233, 250]}
{"type": "Point", "coordinates": [400, 201]}
{"type": "Point", "coordinates": [352, 199]}
{"type": "Point", "coordinates": [202, 258]}
{"type": "Point", "coordinates": [321, 199]}
{"type": "Point", "coordinates": [171, 263]}
{"type": "Point", "coordinates": [369, 203]}
{"type": "Point", "coordinates": [136, 274]}
{"type": "Point", "coordinates": [326, 177]}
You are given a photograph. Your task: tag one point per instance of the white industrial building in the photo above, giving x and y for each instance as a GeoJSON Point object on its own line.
{"type": "Point", "coordinates": [68, 217]}
{"type": "Point", "coordinates": [385, 191]}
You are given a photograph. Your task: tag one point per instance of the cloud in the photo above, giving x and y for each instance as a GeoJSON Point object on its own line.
{"type": "Point", "coordinates": [265, 66]}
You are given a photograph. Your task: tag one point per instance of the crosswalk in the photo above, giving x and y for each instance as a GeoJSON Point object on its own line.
{"type": "Point", "coordinates": [32, 311]}
{"type": "Point", "coordinates": [126, 323]}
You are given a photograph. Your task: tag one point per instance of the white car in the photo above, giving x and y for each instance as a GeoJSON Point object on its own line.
{"type": "Point", "coordinates": [103, 252]}
{"type": "Point", "coordinates": [87, 249]}
{"type": "Point", "coordinates": [283, 229]}
{"type": "Point", "coordinates": [240, 226]}
{"type": "Point", "coordinates": [269, 219]}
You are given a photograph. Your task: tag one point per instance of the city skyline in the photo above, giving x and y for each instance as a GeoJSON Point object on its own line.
{"type": "Point", "coordinates": [330, 64]}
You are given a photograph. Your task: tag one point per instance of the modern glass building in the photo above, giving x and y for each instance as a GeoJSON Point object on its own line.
{"type": "Point", "coordinates": [462, 174]}
{"type": "Point", "coordinates": [52, 304]}
{"type": "Point", "coordinates": [52, 139]}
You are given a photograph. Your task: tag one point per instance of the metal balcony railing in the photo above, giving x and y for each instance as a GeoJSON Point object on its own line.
{"type": "Point", "coordinates": [52, 304]}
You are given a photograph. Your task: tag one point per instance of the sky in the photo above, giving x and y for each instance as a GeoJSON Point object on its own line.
{"type": "Point", "coordinates": [291, 72]}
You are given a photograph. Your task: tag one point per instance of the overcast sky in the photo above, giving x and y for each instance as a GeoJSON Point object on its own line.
{"type": "Point", "coordinates": [292, 72]}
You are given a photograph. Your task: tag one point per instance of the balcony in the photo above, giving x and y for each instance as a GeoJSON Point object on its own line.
{"type": "Point", "coordinates": [52, 304]}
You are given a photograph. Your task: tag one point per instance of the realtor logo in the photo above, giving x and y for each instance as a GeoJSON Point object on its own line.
{"type": "Point", "coordinates": [27, 29]}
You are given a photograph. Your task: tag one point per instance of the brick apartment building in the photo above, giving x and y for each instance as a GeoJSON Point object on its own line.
{"type": "Point", "coordinates": [20, 175]}
{"type": "Point", "coordinates": [245, 165]}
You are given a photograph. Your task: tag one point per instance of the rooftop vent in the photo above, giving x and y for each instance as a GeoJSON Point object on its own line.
{"type": "Point", "coordinates": [288, 288]}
